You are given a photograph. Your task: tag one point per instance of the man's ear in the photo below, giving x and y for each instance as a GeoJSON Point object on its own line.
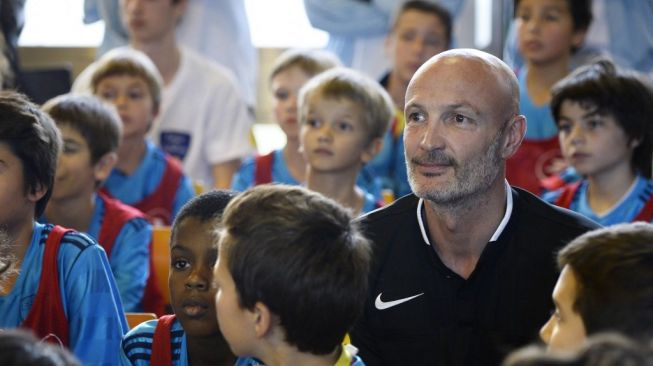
{"type": "Point", "coordinates": [372, 149]}
{"type": "Point", "coordinates": [514, 135]}
{"type": "Point", "coordinates": [103, 167]}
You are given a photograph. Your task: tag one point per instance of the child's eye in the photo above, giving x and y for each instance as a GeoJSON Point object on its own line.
{"type": "Point", "coordinates": [69, 148]}
{"type": "Point", "coordinates": [107, 95]}
{"type": "Point", "coordinates": [344, 126]}
{"type": "Point", "coordinates": [594, 123]}
{"type": "Point", "coordinates": [524, 17]}
{"type": "Point", "coordinates": [433, 41]}
{"type": "Point", "coordinates": [180, 264]}
{"type": "Point", "coordinates": [281, 95]}
{"type": "Point", "coordinates": [407, 36]}
{"type": "Point", "coordinates": [135, 94]}
{"type": "Point", "coordinates": [564, 127]}
{"type": "Point", "coordinates": [312, 122]}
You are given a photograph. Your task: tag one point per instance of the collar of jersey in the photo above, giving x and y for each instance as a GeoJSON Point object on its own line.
{"type": "Point", "coordinates": [497, 232]}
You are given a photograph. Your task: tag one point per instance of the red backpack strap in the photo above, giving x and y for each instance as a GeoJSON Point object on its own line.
{"type": "Point", "coordinates": [646, 214]}
{"type": "Point", "coordinates": [47, 316]}
{"type": "Point", "coordinates": [116, 215]}
{"type": "Point", "coordinates": [567, 195]}
{"type": "Point", "coordinates": [161, 350]}
{"type": "Point", "coordinates": [553, 182]}
{"type": "Point", "coordinates": [263, 168]}
{"type": "Point", "coordinates": [158, 206]}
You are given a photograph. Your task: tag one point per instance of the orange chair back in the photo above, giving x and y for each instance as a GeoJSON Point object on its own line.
{"type": "Point", "coordinates": [134, 319]}
{"type": "Point", "coordinates": [161, 258]}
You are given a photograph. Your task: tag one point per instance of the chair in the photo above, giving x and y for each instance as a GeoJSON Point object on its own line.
{"type": "Point", "coordinates": [161, 258]}
{"type": "Point", "coordinates": [134, 319]}
{"type": "Point", "coordinates": [40, 85]}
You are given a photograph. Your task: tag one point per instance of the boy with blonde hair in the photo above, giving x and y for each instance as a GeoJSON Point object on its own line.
{"type": "Point", "coordinates": [144, 177]}
{"type": "Point", "coordinates": [343, 116]}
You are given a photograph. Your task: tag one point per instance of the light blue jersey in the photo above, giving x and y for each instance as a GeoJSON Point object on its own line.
{"type": "Point", "coordinates": [136, 347]}
{"type": "Point", "coordinates": [245, 177]}
{"type": "Point", "coordinates": [626, 210]}
{"type": "Point", "coordinates": [89, 294]}
{"type": "Point", "coordinates": [132, 189]}
{"type": "Point", "coordinates": [540, 124]}
{"type": "Point", "coordinates": [129, 257]}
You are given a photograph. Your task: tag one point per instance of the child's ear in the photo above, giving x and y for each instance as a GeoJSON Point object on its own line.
{"type": "Point", "coordinates": [578, 38]}
{"type": "Point", "coordinates": [262, 320]}
{"type": "Point", "coordinates": [514, 135]}
{"type": "Point", "coordinates": [103, 167]}
{"type": "Point", "coordinates": [37, 192]}
{"type": "Point", "coordinates": [373, 148]}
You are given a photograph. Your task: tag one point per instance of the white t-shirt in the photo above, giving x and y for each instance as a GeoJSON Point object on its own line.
{"type": "Point", "coordinates": [203, 118]}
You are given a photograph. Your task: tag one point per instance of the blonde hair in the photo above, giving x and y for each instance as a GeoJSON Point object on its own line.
{"type": "Point", "coordinates": [127, 61]}
{"type": "Point", "coordinates": [311, 62]}
{"type": "Point", "coordinates": [349, 84]}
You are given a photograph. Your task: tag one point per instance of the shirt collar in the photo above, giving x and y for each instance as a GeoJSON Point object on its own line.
{"type": "Point", "coordinates": [497, 232]}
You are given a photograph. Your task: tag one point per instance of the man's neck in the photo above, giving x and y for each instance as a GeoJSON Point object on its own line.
{"type": "Point", "coordinates": [74, 213]}
{"type": "Point", "coordinates": [459, 233]}
{"type": "Point", "coordinates": [164, 53]}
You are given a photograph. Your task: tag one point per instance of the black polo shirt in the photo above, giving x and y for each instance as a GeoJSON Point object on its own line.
{"type": "Point", "coordinates": [419, 312]}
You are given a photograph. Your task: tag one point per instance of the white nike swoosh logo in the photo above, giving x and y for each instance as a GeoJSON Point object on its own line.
{"type": "Point", "coordinates": [382, 305]}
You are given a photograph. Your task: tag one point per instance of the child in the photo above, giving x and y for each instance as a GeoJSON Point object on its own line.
{"type": "Point", "coordinates": [548, 32]}
{"type": "Point", "coordinates": [62, 287]}
{"type": "Point", "coordinates": [145, 177]}
{"type": "Point", "coordinates": [19, 348]}
{"type": "Point", "coordinates": [91, 135]}
{"type": "Point", "coordinates": [343, 117]}
{"type": "Point", "coordinates": [291, 71]}
{"type": "Point", "coordinates": [291, 277]}
{"type": "Point", "coordinates": [605, 130]}
{"type": "Point", "coordinates": [421, 30]}
{"type": "Point", "coordinates": [191, 336]}
{"type": "Point", "coordinates": [606, 284]}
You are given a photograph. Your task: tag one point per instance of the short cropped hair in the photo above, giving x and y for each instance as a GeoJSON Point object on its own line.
{"type": "Point", "coordinates": [624, 95]}
{"type": "Point", "coordinates": [131, 62]}
{"type": "Point", "coordinates": [298, 253]}
{"type": "Point", "coordinates": [613, 268]}
{"type": "Point", "coordinates": [207, 206]}
{"type": "Point", "coordinates": [311, 62]}
{"type": "Point", "coordinates": [339, 83]}
{"type": "Point", "coordinates": [600, 350]}
{"type": "Point", "coordinates": [581, 13]}
{"type": "Point", "coordinates": [432, 8]}
{"type": "Point", "coordinates": [20, 348]}
{"type": "Point", "coordinates": [33, 137]}
{"type": "Point", "coordinates": [98, 123]}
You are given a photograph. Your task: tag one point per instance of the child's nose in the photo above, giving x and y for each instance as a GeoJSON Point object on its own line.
{"type": "Point", "coordinates": [545, 331]}
{"type": "Point", "coordinates": [196, 281]}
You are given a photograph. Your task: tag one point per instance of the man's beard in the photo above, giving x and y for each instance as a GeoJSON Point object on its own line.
{"type": "Point", "coordinates": [471, 179]}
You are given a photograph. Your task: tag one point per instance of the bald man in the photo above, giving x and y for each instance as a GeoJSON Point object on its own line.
{"type": "Point", "coordinates": [464, 267]}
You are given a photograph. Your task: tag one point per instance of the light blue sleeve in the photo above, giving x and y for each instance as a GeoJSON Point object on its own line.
{"type": "Point", "coordinates": [91, 13]}
{"type": "Point", "coordinates": [184, 193]}
{"type": "Point", "coordinates": [552, 196]}
{"type": "Point", "coordinates": [244, 177]}
{"type": "Point", "coordinates": [130, 262]}
{"type": "Point", "coordinates": [95, 314]}
{"type": "Point", "coordinates": [347, 17]}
